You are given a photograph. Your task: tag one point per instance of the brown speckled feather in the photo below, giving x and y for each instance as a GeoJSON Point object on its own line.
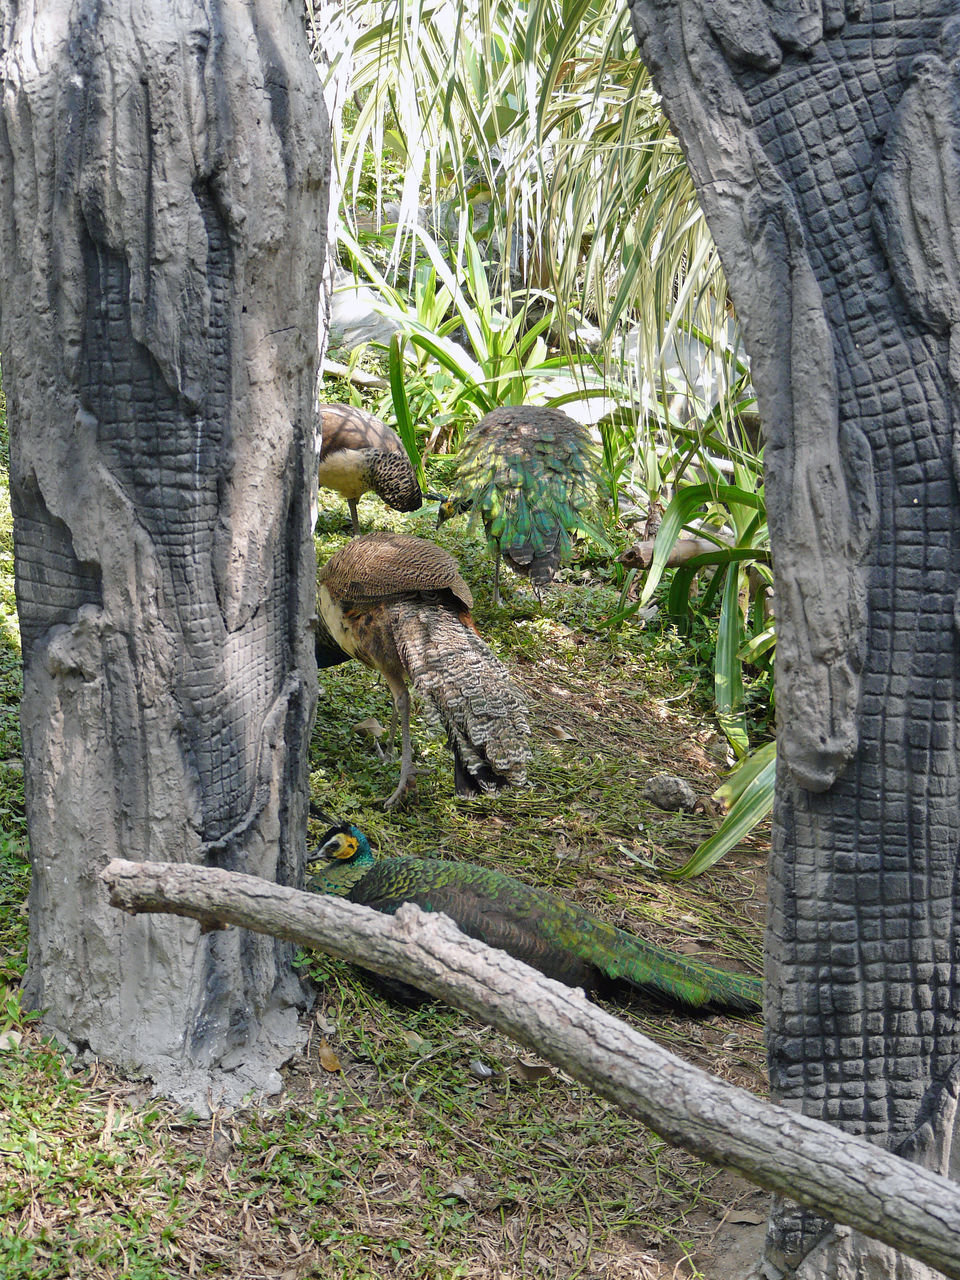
{"type": "Point", "coordinates": [345, 427]}
{"type": "Point", "coordinates": [359, 453]}
{"type": "Point", "coordinates": [384, 566]}
{"type": "Point", "coordinates": [400, 605]}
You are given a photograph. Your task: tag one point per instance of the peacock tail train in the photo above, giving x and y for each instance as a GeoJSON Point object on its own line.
{"type": "Point", "coordinates": [529, 472]}
{"type": "Point", "coordinates": [469, 690]}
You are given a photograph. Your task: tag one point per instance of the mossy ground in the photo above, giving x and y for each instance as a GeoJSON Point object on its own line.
{"type": "Point", "coordinates": [415, 1142]}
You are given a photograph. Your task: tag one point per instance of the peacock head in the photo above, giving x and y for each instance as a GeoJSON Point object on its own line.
{"type": "Point", "coordinates": [343, 851]}
{"type": "Point", "coordinates": [452, 506]}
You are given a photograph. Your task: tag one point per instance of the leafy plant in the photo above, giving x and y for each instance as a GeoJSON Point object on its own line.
{"type": "Point", "coordinates": [534, 125]}
{"type": "Point", "coordinates": [503, 357]}
{"type": "Point", "coordinates": [748, 792]}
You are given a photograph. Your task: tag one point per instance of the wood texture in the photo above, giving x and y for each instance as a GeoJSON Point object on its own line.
{"type": "Point", "coordinates": [163, 196]}
{"type": "Point", "coordinates": [822, 135]}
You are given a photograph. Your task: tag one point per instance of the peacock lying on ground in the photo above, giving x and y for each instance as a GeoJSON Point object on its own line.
{"type": "Point", "coordinates": [528, 471]}
{"type": "Point", "coordinates": [399, 605]}
{"type": "Point", "coordinates": [554, 936]}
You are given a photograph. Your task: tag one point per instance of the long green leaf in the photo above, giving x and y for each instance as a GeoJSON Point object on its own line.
{"type": "Point", "coordinates": [727, 672]}
{"type": "Point", "coordinates": [401, 407]}
{"type": "Point", "coordinates": [743, 775]}
{"type": "Point", "coordinates": [753, 805]}
{"type": "Point", "coordinates": [682, 507]}
{"type": "Point", "coordinates": [473, 389]}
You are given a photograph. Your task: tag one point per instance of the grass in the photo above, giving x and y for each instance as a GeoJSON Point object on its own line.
{"type": "Point", "coordinates": [413, 1142]}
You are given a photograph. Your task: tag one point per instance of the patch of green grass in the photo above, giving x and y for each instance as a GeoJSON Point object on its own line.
{"type": "Point", "coordinates": [408, 1142]}
{"type": "Point", "coordinates": [85, 1179]}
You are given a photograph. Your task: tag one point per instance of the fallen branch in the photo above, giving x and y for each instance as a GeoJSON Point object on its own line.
{"type": "Point", "coordinates": [359, 377]}
{"type": "Point", "coordinates": [640, 555]}
{"type": "Point", "coordinates": [837, 1174]}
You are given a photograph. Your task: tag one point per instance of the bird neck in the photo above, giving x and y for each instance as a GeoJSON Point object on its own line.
{"type": "Point", "coordinates": [338, 878]}
{"type": "Point", "coordinates": [337, 869]}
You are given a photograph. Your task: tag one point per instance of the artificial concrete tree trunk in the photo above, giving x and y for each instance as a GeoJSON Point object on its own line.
{"type": "Point", "coordinates": [164, 172]}
{"type": "Point", "coordinates": [824, 137]}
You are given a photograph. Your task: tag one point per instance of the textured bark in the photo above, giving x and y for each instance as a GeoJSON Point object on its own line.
{"type": "Point", "coordinates": [835, 1173]}
{"type": "Point", "coordinates": [823, 137]}
{"type": "Point", "coordinates": [164, 177]}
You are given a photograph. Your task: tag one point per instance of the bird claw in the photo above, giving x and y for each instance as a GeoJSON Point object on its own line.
{"type": "Point", "coordinates": [403, 786]}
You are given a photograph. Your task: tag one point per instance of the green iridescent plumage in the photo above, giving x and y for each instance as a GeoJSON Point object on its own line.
{"type": "Point", "coordinates": [530, 924]}
{"type": "Point", "coordinates": [528, 472]}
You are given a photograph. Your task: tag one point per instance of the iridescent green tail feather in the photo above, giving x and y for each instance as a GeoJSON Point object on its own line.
{"type": "Point", "coordinates": [537, 927]}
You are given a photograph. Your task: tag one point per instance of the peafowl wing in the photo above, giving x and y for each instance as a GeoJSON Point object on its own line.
{"type": "Point", "coordinates": [559, 939]}
{"type": "Point", "coordinates": [530, 471]}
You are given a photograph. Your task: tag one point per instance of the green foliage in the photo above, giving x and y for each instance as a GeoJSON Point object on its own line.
{"type": "Point", "coordinates": [733, 517]}
{"type": "Point", "coordinates": [749, 794]}
{"type": "Point", "coordinates": [77, 1167]}
{"type": "Point", "coordinates": [503, 357]}
{"type": "Point", "coordinates": [534, 125]}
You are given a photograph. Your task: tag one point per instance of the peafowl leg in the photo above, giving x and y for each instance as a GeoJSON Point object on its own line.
{"type": "Point", "coordinates": [496, 577]}
{"type": "Point", "coordinates": [354, 518]}
{"type": "Point", "coordinates": [401, 699]}
{"type": "Point", "coordinates": [386, 752]}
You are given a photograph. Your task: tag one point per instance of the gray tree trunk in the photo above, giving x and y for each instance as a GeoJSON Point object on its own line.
{"type": "Point", "coordinates": [164, 173]}
{"type": "Point", "coordinates": [824, 137]}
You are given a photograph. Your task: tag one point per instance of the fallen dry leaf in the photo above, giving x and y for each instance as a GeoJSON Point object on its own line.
{"type": "Point", "coordinates": [558, 731]}
{"type": "Point", "coordinates": [533, 1070]}
{"type": "Point", "coordinates": [328, 1058]}
{"type": "Point", "coordinates": [370, 728]}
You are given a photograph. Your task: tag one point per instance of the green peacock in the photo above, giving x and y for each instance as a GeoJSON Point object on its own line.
{"type": "Point", "coordinates": [528, 472]}
{"type": "Point", "coordinates": [554, 936]}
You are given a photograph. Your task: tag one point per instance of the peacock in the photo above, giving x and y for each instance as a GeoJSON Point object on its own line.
{"type": "Point", "coordinates": [559, 939]}
{"type": "Point", "coordinates": [358, 453]}
{"type": "Point", "coordinates": [400, 605]}
{"type": "Point", "coordinates": [528, 471]}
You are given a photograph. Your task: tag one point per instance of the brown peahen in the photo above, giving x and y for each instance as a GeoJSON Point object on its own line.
{"type": "Point", "coordinates": [358, 453]}
{"type": "Point", "coordinates": [554, 936]}
{"type": "Point", "coordinates": [528, 472]}
{"type": "Point", "coordinates": [399, 604]}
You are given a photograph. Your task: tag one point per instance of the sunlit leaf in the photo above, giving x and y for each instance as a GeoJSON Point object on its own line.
{"type": "Point", "coordinates": [752, 806]}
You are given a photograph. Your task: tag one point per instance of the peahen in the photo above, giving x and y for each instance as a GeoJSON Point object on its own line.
{"type": "Point", "coordinates": [554, 936]}
{"type": "Point", "coordinates": [399, 605]}
{"type": "Point", "coordinates": [358, 453]}
{"type": "Point", "coordinates": [528, 471]}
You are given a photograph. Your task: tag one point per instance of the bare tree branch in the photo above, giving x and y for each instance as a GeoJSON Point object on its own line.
{"type": "Point", "coordinates": [842, 1176]}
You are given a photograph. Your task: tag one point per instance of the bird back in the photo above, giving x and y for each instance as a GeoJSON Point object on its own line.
{"type": "Point", "coordinates": [530, 471]}
{"type": "Point", "coordinates": [345, 427]}
{"type": "Point", "coordinates": [554, 936]}
{"type": "Point", "coordinates": [466, 686]}
{"type": "Point", "coordinates": [380, 567]}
